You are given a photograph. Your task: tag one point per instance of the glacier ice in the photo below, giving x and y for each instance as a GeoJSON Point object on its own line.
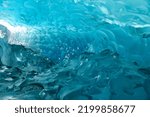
{"type": "Point", "coordinates": [74, 49]}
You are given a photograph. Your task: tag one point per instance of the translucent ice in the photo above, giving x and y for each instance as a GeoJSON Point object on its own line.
{"type": "Point", "coordinates": [74, 49]}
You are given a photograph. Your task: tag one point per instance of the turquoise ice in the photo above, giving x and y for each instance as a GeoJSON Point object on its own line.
{"type": "Point", "coordinates": [74, 49]}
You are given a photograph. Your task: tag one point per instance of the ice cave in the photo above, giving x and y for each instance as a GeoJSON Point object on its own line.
{"type": "Point", "coordinates": [74, 49]}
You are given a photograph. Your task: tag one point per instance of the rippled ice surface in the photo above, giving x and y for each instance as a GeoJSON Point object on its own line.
{"type": "Point", "coordinates": [74, 49]}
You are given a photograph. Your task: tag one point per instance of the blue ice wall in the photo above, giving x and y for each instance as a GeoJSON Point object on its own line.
{"type": "Point", "coordinates": [66, 39]}
{"type": "Point", "coordinates": [64, 26]}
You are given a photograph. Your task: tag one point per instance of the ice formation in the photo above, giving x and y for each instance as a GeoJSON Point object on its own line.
{"type": "Point", "coordinates": [74, 49]}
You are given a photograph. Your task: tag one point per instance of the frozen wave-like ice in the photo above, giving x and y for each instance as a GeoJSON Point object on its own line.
{"type": "Point", "coordinates": [75, 49]}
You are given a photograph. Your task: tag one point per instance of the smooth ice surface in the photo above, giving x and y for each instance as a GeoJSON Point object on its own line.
{"type": "Point", "coordinates": [75, 49]}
